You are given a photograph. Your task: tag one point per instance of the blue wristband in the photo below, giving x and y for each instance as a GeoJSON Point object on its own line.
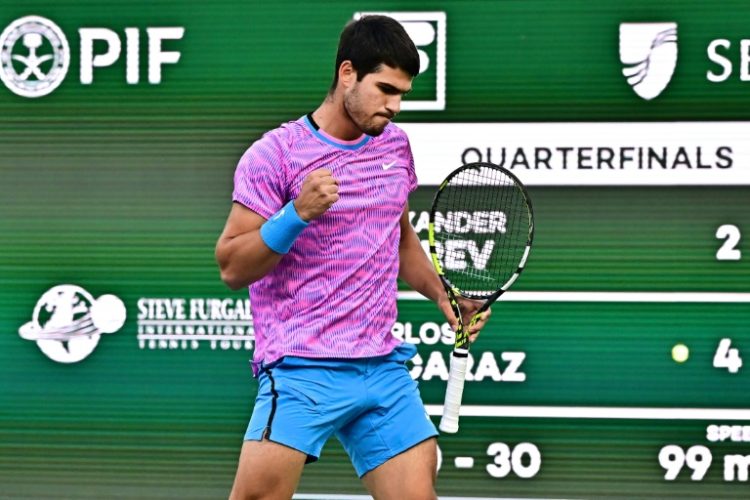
{"type": "Point", "coordinates": [280, 231]}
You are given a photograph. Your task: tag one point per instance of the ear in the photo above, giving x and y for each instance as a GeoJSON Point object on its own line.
{"type": "Point", "coordinates": [347, 74]}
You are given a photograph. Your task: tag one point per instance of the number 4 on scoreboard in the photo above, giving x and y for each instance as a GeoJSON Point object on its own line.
{"type": "Point", "coordinates": [727, 356]}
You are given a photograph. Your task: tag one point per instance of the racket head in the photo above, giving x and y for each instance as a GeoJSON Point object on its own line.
{"type": "Point", "coordinates": [480, 231]}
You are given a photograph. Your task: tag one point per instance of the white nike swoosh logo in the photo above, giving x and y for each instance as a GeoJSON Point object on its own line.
{"type": "Point", "coordinates": [386, 166]}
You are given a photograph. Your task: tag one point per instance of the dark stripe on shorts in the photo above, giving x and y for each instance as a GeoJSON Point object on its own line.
{"type": "Point", "coordinates": [273, 404]}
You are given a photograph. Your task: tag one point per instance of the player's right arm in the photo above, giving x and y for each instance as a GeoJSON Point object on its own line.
{"type": "Point", "coordinates": [242, 254]}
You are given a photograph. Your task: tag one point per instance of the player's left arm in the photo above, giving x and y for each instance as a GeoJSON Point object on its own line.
{"type": "Point", "coordinates": [418, 272]}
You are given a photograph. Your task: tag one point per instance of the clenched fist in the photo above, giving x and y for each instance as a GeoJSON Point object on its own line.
{"type": "Point", "coordinates": [319, 191]}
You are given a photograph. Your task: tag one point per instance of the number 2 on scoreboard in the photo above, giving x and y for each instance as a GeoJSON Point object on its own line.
{"type": "Point", "coordinates": [731, 236]}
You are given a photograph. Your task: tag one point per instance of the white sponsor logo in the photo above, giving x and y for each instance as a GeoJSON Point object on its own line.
{"type": "Point", "coordinates": [68, 321]}
{"type": "Point", "coordinates": [649, 53]}
{"type": "Point", "coordinates": [386, 166]}
{"type": "Point", "coordinates": [186, 324]}
{"type": "Point", "coordinates": [427, 31]}
{"type": "Point", "coordinates": [34, 56]}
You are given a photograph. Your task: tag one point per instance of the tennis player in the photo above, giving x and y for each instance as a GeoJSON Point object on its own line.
{"type": "Point", "coordinates": [319, 230]}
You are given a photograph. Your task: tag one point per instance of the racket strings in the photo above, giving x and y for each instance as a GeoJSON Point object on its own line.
{"type": "Point", "coordinates": [485, 229]}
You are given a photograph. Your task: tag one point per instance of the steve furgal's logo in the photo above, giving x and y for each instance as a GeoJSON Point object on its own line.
{"type": "Point", "coordinates": [68, 321]}
{"type": "Point", "coordinates": [649, 53]}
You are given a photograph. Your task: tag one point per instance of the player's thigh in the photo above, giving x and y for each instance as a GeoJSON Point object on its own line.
{"type": "Point", "coordinates": [267, 470]}
{"type": "Point", "coordinates": [409, 475]}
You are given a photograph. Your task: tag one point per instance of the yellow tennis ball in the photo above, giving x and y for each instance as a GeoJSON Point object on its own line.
{"type": "Point", "coordinates": [680, 353]}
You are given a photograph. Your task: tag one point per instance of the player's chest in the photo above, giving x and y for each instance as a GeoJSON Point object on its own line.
{"type": "Point", "coordinates": [366, 183]}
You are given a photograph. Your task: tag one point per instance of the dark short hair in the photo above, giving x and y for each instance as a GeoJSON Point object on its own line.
{"type": "Point", "coordinates": [374, 40]}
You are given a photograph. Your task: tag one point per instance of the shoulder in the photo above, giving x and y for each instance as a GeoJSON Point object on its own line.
{"type": "Point", "coordinates": [283, 137]}
{"type": "Point", "coordinates": [393, 132]}
{"type": "Point", "coordinates": [394, 138]}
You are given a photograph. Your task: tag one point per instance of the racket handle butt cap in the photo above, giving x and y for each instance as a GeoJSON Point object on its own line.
{"type": "Point", "coordinates": [449, 425]}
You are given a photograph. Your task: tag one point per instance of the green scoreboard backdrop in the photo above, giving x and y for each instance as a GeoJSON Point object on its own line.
{"type": "Point", "coordinates": [615, 368]}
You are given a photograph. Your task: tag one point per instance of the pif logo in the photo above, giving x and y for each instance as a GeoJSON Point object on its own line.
{"type": "Point", "coordinates": [35, 55]}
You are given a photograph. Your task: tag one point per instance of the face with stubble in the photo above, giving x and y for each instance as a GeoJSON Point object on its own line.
{"type": "Point", "coordinates": [373, 102]}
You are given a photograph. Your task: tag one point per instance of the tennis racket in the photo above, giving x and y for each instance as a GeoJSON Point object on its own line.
{"type": "Point", "coordinates": [481, 228]}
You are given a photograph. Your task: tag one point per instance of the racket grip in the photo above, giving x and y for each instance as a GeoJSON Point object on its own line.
{"type": "Point", "coordinates": [453, 394]}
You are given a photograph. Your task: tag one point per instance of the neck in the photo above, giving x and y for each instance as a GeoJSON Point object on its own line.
{"type": "Point", "coordinates": [332, 118]}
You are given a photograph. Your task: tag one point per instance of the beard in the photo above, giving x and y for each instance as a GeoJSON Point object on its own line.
{"type": "Point", "coordinates": [369, 124]}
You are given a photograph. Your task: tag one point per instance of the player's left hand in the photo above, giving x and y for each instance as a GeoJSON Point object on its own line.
{"type": "Point", "coordinates": [468, 308]}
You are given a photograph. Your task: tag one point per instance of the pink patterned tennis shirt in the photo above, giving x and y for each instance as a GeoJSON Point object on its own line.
{"type": "Point", "coordinates": [334, 294]}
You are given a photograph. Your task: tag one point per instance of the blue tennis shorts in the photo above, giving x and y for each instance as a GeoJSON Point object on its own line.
{"type": "Point", "coordinates": [372, 405]}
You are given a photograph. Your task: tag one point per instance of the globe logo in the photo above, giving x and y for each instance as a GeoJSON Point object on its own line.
{"type": "Point", "coordinates": [68, 322]}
